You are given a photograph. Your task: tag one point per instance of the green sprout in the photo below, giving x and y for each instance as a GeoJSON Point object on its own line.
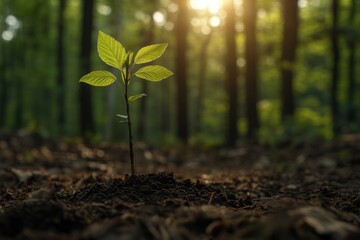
{"type": "Point", "coordinates": [115, 55]}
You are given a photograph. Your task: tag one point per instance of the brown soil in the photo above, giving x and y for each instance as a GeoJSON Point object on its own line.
{"type": "Point", "coordinates": [68, 190]}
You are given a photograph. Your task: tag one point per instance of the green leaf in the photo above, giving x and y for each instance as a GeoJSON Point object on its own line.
{"type": "Point", "coordinates": [136, 97]}
{"type": "Point", "coordinates": [150, 53]}
{"type": "Point", "coordinates": [126, 74]}
{"type": "Point", "coordinates": [122, 116]}
{"type": "Point", "coordinates": [130, 57]}
{"type": "Point", "coordinates": [98, 78]}
{"type": "Point", "coordinates": [125, 71]}
{"type": "Point", "coordinates": [111, 51]}
{"type": "Point", "coordinates": [154, 73]}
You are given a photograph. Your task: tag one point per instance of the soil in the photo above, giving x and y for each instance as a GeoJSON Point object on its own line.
{"type": "Point", "coordinates": [70, 190]}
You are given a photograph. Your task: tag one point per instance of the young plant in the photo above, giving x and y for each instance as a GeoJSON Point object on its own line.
{"type": "Point", "coordinates": [114, 54]}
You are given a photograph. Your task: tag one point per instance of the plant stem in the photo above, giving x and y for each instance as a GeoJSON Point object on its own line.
{"type": "Point", "coordinates": [131, 149]}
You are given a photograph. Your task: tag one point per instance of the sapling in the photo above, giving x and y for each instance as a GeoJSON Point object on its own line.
{"type": "Point", "coordinates": [115, 55]}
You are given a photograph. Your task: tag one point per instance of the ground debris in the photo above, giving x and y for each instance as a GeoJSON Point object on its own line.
{"type": "Point", "coordinates": [63, 190]}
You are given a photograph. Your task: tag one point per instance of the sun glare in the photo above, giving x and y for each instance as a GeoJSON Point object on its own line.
{"type": "Point", "coordinates": [213, 6]}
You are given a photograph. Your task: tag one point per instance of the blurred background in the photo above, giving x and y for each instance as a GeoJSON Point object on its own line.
{"type": "Point", "coordinates": [245, 70]}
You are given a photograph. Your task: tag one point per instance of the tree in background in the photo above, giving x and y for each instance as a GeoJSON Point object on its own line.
{"type": "Point", "coordinates": [3, 92]}
{"type": "Point", "coordinates": [288, 56]}
{"type": "Point", "coordinates": [31, 33]}
{"type": "Point", "coordinates": [85, 98]}
{"type": "Point", "coordinates": [147, 31]}
{"type": "Point", "coordinates": [250, 14]}
{"type": "Point", "coordinates": [115, 20]}
{"type": "Point", "coordinates": [351, 44]}
{"type": "Point", "coordinates": [181, 31]}
{"type": "Point", "coordinates": [231, 74]}
{"type": "Point", "coordinates": [203, 60]}
{"type": "Point", "coordinates": [23, 49]}
{"type": "Point", "coordinates": [60, 66]}
{"type": "Point", "coordinates": [3, 78]}
{"type": "Point", "coordinates": [335, 67]}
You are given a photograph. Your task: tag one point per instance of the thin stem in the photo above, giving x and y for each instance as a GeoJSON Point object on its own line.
{"type": "Point", "coordinates": [131, 148]}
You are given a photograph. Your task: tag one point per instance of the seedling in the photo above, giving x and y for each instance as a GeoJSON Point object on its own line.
{"type": "Point", "coordinates": [115, 55]}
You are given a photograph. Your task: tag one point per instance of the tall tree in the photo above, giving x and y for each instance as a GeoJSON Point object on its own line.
{"type": "Point", "coordinates": [3, 95]}
{"type": "Point", "coordinates": [335, 67]}
{"type": "Point", "coordinates": [166, 110]}
{"type": "Point", "coordinates": [250, 13]}
{"type": "Point", "coordinates": [202, 77]}
{"type": "Point", "coordinates": [231, 74]}
{"type": "Point", "coordinates": [288, 56]}
{"type": "Point", "coordinates": [60, 66]}
{"type": "Point", "coordinates": [351, 43]}
{"type": "Point", "coordinates": [115, 22]}
{"type": "Point", "coordinates": [181, 31]}
{"type": "Point", "coordinates": [4, 82]}
{"type": "Point", "coordinates": [3, 78]}
{"type": "Point", "coordinates": [85, 97]}
{"type": "Point", "coordinates": [148, 33]}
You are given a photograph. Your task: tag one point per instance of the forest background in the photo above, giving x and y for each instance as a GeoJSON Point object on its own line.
{"type": "Point", "coordinates": [260, 71]}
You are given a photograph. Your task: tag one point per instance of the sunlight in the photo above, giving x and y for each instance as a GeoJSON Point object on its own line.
{"type": "Point", "coordinates": [302, 3]}
{"type": "Point", "coordinates": [12, 21]}
{"type": "Point", "coordinates": [209, 15]}
{"type": "Point", "coordinates": [7, 35]}
{"type": "Point", "coordinates": [215, 21]}
{"type": "Point", "coordinates": [13, 25]}
{"type": "Point", "coordinates": [213, 6]}
{"type": "Point", "coordinates": [104, 9]}
{"type": "Point", "coordinates": [159, 18]}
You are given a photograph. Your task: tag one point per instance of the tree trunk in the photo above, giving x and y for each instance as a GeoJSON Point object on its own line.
{"type": "Point", "coordinates": [60, 66]}
{"type": "Point", "coordinates": [3, 90]}
{"type": "Point", "coordinates": [116, 26]}
{"type": "Point", "coordinates": [351, 112]}
{"type": "Point", "coordinates": [231, 74]}
{"type": "Point", "coordinates": [3, 80]}
{"type": "Point", "coordinates": [288, 56]}
{"type": "Point", "coordinates": [149, 38]}
{"type": "Point", "coordinates": [142, 112]}
{"type": "Point", "coordinates": [250, 13]}
{"type": "Point", "coordinates": [85, 98]}
{"type": "Point", "coordinates": [165, 106]}
{"type": "Point", "coordinates": [19, 90]}
{"type": "Point", "coordinates": [181, 70]}
{"type": "Point", "coordinates": [335, 67]}
{"type": "Point", "coordinates": [202, 75]}
{"type": "Point", "coordinates": [4, 86]}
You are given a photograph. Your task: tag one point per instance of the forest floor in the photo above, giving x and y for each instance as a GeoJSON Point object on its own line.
{"type": "Point", "coordinates": [68, 190]}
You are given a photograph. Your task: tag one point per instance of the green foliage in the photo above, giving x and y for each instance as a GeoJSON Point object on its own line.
{"type": "Point", "coordinates": [153, 73]}
{"type": "Point", "coordinates": [312, 125]}
{"type": "Point", "coordinates": [115, 55]}
{"type": "Point", "coordinates": [150, 53]}
{"type": "Point", "coordinates": [270, 130]}
{"type": "Point", "coordinates": [99, 78]}
{"type": "Point", "coordinates": [136, 97]}
{"type": "Point", "coordinates": [122, 116]}
{"type": "Point", "coordinates": [28, 73]}
{"type": "Point", "coordinates": [309, 124]}
{"type": "Point", "coordinates": [111, 51]}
